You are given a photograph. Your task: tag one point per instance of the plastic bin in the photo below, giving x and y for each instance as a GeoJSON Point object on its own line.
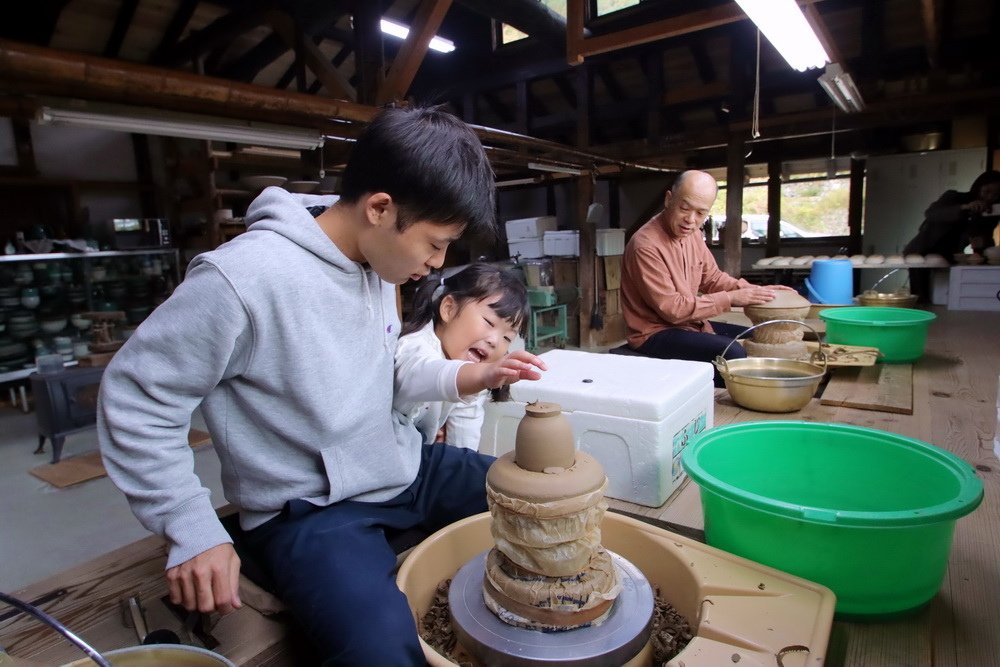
{"type": "Point", "coordinates": [900, 334]}
{"type": "Point", "coordinates": [529, 228]}
{"type": "Point", "coordinates": [562, 244]}
{"type": "Point", "coordinates": [869, 514]}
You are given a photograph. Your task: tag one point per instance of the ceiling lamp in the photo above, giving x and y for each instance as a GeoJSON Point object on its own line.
{"type": "Point", "coordinates": [399, 30]}
{"type": "Point", "coordinates": [186, 126]}
{"type": "Point", "coordinates": [559, 169]}
{"type": "Point", "coordinates": [839, 85]}
{"type": "Point", "coordinates": [784, 25]}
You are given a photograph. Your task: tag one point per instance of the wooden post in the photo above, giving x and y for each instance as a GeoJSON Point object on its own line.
{"type": "Point", "coordinates": [588, 294]}
{"type": "Point", "coordinates": [773, 207]}
{"type": "Point", "coordinates": [855, 205]}
{"type": "Point", "coordinates": [732, 235]}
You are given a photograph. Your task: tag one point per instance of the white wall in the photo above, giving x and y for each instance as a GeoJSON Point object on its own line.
{"type": "Point", "coordinates": [899, 189]}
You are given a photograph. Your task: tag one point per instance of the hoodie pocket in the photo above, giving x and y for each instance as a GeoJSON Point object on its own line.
{"type": "Point", "coordinates": [369, 462]}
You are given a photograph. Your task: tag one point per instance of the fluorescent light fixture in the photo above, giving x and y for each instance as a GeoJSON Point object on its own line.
{"type": "Point", "coordinates": [187, 126]}
{"type": "Point", "coordinates": [839, 85]}
{"type": "Point", "coordinates": [785, 26]}
{"type": "Point", "coordinates": [539, 166]}
{"type": "Point", "coordinates": [399, 30]}
{"type": "Point", "coordinates": [516, 181]}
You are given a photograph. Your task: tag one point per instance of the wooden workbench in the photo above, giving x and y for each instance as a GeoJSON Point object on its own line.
{"type": "Point", "coordinates": [955, 407]}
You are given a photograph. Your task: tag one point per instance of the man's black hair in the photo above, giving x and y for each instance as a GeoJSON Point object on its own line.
{"type": "Point", "coordinates": [431, 164]}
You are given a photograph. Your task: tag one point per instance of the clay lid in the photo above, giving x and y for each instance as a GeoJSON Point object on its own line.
{"type": "Point", "coordinates": [585, 476]}
{"type": "Point", "coordinates": [785, 299]}
{"type": "Point", "coordinates": [544, 438]}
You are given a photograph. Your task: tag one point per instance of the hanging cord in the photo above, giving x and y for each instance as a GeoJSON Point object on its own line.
{"type": "Point", "coordinates": [755, 124]}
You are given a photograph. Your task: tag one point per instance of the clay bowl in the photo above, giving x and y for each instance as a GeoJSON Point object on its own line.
{"type": "Point", "coordinates": [786, 305]}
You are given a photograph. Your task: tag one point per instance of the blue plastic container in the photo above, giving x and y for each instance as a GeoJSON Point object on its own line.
{"type": "Point", "coordinates": [831, 281]}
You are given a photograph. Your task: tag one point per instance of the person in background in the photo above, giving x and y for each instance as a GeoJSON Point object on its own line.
{"type": "Point", "coordinates": [671, 284]}
{"type": "Point", "coordinates": [959, 219]}
{"type": "Point", "coordinates": [286, 338]}
{"type": "Point", "coordinates": [954, 221]}
{"type": "Point", "coordinates": [454, 348]}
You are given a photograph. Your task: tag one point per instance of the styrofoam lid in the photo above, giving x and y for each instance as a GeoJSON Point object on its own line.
{"type": "Point", "coordinates": [615, 384]}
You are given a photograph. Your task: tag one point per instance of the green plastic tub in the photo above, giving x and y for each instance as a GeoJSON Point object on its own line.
{"type": "Point", "coordinates": [868, 514]}
{"type": "Point", "coordinates": [900, 334]}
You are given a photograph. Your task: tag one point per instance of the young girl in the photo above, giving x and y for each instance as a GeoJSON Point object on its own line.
{"type": "Point", "coordinates": [454, 348]}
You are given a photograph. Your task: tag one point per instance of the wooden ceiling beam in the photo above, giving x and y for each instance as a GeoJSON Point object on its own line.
{"type": "Point", "coordinates": [531, 17]}
{"type": "Point", "coordinates": [335, 82]}
{"type": "Point", "coordinates": [425, 25]}
{"type": "Point", "coordinates": [578, 46]}
{"type": "Point", "coordinates": [123, 20]}
{"type": "Point", "coordinates": [223, 30]}
{"type": "Point", "coordinates": [930, 11]}
{"type": "Point", "coordinates": [178, 22]}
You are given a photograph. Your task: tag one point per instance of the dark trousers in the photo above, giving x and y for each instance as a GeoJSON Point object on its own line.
{"type": "Point", "coordinates": [695, 345]}
{"type": "Point", "coordinates": [334, 568]}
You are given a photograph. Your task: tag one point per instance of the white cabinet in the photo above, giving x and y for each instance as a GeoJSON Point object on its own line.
{"type": "Point", "coordinates": [974, 288]}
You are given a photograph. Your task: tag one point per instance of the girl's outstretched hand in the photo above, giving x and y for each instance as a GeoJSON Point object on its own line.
{"type": "Point", "coordinates": [519, 365]}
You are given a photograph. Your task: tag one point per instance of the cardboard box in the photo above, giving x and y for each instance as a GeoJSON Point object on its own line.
{"type": "Point", "coordinates": [565, 272]}
{"type": "Point", "coordinates": [530, 228]}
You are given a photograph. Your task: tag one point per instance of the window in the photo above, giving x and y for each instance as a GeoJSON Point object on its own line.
{"type": "Point", "coordinates": [610, 6]}
{"type": "Point", "coordinates": [814, 203]}
{"type": "Point", "coordinates": [510, 34]}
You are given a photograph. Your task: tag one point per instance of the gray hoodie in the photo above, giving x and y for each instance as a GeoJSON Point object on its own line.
{"type": "Point", "coordinates": [288, 347]}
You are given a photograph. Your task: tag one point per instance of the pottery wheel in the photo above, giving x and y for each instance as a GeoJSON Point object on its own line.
{"type": "Point", "coordinates": [616, 641]}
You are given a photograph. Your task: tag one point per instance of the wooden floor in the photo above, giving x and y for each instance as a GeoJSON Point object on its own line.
{"type": "Point", "coordinates": [955, 407]}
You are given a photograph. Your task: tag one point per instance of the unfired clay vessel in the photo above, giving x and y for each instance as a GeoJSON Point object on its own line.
{"type": "Point", "coordinates": [548, 570]}
{"type": "Point", "coordinates": [786, 305]}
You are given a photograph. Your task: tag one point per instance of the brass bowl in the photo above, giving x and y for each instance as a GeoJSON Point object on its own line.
{"type": "Point", "coordinates": [887, 299]}
{"type": "Point", "coordinates": [768, 384]}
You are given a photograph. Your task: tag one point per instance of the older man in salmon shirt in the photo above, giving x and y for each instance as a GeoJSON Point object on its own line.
{"type": "Point", "coordinates": [672, 286]}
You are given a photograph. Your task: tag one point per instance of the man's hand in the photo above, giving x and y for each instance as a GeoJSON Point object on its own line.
{"type": "Point", "coordinates": [208, 582]}
{"type": "Point", "coordinates": [975, 206]}
{"type": "Point", "coordinates": [751, 296]}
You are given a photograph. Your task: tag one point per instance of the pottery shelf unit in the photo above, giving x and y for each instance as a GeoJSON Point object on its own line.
{"type": "Point", "coordinates": [223, 181]}
{"type": "Point", "coordinates": [43, 299]}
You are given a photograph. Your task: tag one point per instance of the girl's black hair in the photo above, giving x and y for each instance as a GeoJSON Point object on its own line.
{"type": "Point", "coordinates": [475, 282]}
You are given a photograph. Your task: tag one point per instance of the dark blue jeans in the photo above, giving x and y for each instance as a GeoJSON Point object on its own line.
{"type": "Point", "coordinates": [695, 345]}
{"type": "Point", "coordinates": [334, 569]}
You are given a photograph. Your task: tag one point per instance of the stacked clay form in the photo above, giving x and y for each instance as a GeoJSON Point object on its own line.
{"type": "Point", "coordinates": [778, 340]}
{"type": "Point", "coordinates": [548, 570]}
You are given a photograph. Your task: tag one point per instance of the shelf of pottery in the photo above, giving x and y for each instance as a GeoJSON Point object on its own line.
{"type": "Point", "coordinates": [45, 300]}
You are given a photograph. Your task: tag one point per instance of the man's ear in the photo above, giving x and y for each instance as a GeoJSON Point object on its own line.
{"type": "Point", "coordinates": [666, 199]}
{"type": "Point", "coordinates": [448, 308]}
{"type": "Point", "coordinates": [379, 207]}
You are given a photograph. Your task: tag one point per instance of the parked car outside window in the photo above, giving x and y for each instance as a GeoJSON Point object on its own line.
{"type": "Point", "coordinates": [756, 229]}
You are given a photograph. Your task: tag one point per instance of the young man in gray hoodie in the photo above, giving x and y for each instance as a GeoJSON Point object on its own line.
{"type": "Point", "coordinates": [285, 337]}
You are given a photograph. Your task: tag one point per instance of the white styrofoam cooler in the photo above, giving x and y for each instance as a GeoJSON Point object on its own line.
{"type": "Point", "coordinates": [609, 242]}
{"type": "Point", "coordinates": [526, 249]}
{"type": "Point", "coordinates": [530, 228]}
{"type": "Point", "coordinates": [562, 243]}
{"type": "Point", "coordinates": [633, 414]}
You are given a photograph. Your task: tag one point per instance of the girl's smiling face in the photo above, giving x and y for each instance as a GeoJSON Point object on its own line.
{"type": "Point", "coordinates": [473, 331]}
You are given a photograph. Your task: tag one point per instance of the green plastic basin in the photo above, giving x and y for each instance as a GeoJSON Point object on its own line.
{"type": "Point", "coordinates": [900, 334]}
{"type": "Point", "coordinates": [868, 514]}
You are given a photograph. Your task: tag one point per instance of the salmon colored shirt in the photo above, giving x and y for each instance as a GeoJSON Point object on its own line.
{"type": "Point", "coordinates": [671, 283]}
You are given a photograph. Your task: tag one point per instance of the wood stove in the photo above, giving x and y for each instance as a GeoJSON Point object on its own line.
{"type": "Point", "coordinates": [65, 402]}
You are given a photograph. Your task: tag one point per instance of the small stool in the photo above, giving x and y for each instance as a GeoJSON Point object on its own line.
{"type": "Point", "coordinates": [539, 330]}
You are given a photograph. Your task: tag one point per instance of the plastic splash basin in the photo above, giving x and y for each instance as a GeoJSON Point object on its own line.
{"type": "Point", "coordinates": [900, 334]}
{"type": "Point", "coordinates": [739, 610]}
{"type": "Point", "coordinates": [867, 513]}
